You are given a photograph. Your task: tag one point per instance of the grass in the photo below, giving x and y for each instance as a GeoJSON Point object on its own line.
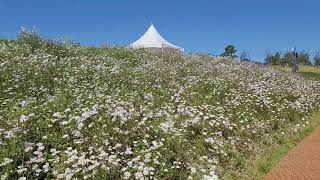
{"type": "Point", "coordinates": [305, 71]}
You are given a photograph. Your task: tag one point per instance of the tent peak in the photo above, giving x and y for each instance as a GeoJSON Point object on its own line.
{"type": "Point", "coordinates": [153, 39]}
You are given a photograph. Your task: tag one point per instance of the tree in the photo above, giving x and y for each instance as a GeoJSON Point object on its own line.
{"type": "Point", "coordinates": [268, 58]}
{"type": "Point", "coordinates": [277, 59]}
{"type": "Point", "coordinates": [304, 58]}
{"type": "Point", "coordinates": [245, 56]}
{"type": "Point", "coordinates": [317, 59]}
{"type": "Point", "coordinates": [288, 58]}
{"type": "Point", "coordinates": [273, 59]}
{"type": "Point", "coordinates": [229, 51]}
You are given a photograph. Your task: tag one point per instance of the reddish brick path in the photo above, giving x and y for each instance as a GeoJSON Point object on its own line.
{"type": "Point", "coordinates": [301, 163]}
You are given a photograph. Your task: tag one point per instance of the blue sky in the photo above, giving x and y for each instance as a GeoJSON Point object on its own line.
{"type": "Point", "coordinates": [204, 26]}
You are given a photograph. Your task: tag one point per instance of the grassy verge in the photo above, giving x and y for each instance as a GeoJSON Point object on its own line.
{"type": "Point", "coordinates": [305, 71]}
{"type": "Point", "coordinates": [258, 168]}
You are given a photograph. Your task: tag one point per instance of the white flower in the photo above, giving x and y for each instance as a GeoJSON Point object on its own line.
{"type": "Point", "coordinates": [128, 151]}
{"type": "Point", "coordinates": [45, 167]}
{"type": "Point", "coordinates": [6, 161]}
{"type": "Point", "coordinates": [85, 115]}
{"type": "Point", "coordinates": [22, 170]}
{"type": "Point", "coordinates": [65, 136]}
{"type": "Point", "coordinates": [57, 115]}
{"type": "Point", "coordinates": [193, 170]}
{"type": "Point", "coordinates": [23, 118]}
{"type": "Point", "coordinates": [205, 177]}
{"type": "Point", "coordinates": [146, 171]}
{"type": "Point", "coordinates": [127, 175]}
{"type": "Point", "coordinates": [63, 123]}
{"type": "Point", "coordinates": [138, 175]}
{"type": "Point", "coordinates": [24, 103]}
{"type": "Point", "coordinates": [4, 176]}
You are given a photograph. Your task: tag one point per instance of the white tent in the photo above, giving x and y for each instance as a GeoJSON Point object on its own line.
{"type": "Point", "coordinates": [152, 39]}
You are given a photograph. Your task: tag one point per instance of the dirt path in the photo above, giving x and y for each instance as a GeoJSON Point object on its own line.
{"type": "Point", "coordinates": [301, 163]}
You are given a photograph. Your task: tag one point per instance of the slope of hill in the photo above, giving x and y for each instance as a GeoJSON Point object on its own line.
{"type": "Point", "coordinates": [72, 112]}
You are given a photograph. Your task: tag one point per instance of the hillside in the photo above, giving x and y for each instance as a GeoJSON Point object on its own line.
{"type": "Point", "coordinates": [68, 111]}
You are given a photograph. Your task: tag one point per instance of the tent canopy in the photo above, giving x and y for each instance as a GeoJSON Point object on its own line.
{"type": "Point", "coordinates": [153, 39]}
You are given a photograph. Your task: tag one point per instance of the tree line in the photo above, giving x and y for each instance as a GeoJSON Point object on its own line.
{"type": "Point", "coordinates": [278, 58]}
{"type": "Point", "coordinates": [288, 58]}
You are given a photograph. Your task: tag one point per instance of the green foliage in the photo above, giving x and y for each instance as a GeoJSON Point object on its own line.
{"type": "Point", "coordinates": [5, 41]}
{"type": "Point", "coordinates": [229, 51]}
{"type": "Point", "coordinates": [277, 58]}
{"type": "Point", "coordinates": [304, 58]}
{"type": "Point", "coordinates": [121, 53]}
{"type": "Point", "coordinates": [273, 59]}
{"type": "Point", "coordinates": [288, 58]}
{"type": "Point", "coordinates": [311, 75]}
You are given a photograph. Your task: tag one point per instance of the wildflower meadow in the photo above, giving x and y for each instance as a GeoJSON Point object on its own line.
{"type": "Point", "coordinates": [74, 112]}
